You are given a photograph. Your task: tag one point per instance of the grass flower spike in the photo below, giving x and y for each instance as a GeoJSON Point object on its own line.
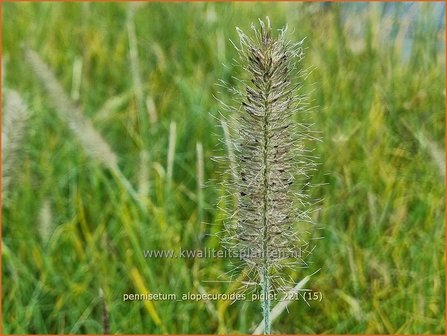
{"type": "Point", "coordinates": [272, 161]}
{"type": "Point", "coordinates": [15, 115]}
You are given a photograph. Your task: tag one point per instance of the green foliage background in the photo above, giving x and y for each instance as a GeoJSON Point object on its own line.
{"type": "Point", "coordinates": [375, 94]}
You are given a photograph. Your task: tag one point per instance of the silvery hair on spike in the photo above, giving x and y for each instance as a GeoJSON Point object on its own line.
{"type": "Point", "coordinates": [270, 161]}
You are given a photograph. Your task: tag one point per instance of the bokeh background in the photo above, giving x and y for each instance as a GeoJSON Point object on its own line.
{"type": "Point", "coordinates": [144, 75]}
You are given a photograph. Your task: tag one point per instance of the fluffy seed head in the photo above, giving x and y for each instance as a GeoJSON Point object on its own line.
{"type": "Point", "coordinates": [15, 115]}
{"type": "Point", "coordinates": [91, 140]}
{"type": "Point", "coordinates": [272, 162]}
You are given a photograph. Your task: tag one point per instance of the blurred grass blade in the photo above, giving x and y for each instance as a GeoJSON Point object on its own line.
{"type": "Point", "coordinates": [76, 79]}
{"type": "Point", "coordinates": [104, 313]}
{"type": "Point", "coordinates": [144, 174]}
{"type": "Point", "coordinates": [45, 221]}
{"type": "Point", "coordinates": [139, 285]}
{"type": "Point", "coordinates": [200, 178]}
{"type": "Point", "coordinates": [436, 153]}
{"type": "Point", "coordinates": [136, 72]}
{"type": "Point", "coordinates": [171, 153]}
{"type": "Point", "coordinates": [151, 110]}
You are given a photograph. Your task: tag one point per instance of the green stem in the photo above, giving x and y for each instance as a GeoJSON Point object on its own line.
{"type": "Point", "coordinates": [266, 302]}
{"type": "Point", "coordinates": [129, 188]}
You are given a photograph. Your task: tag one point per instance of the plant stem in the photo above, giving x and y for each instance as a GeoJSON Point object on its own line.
{"type": "Point", "coordinates": [265, 243]}
{"type": "Point", "coordinates": [266, 301]}
{"type": "Point", "coordinates": [128, 187]}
